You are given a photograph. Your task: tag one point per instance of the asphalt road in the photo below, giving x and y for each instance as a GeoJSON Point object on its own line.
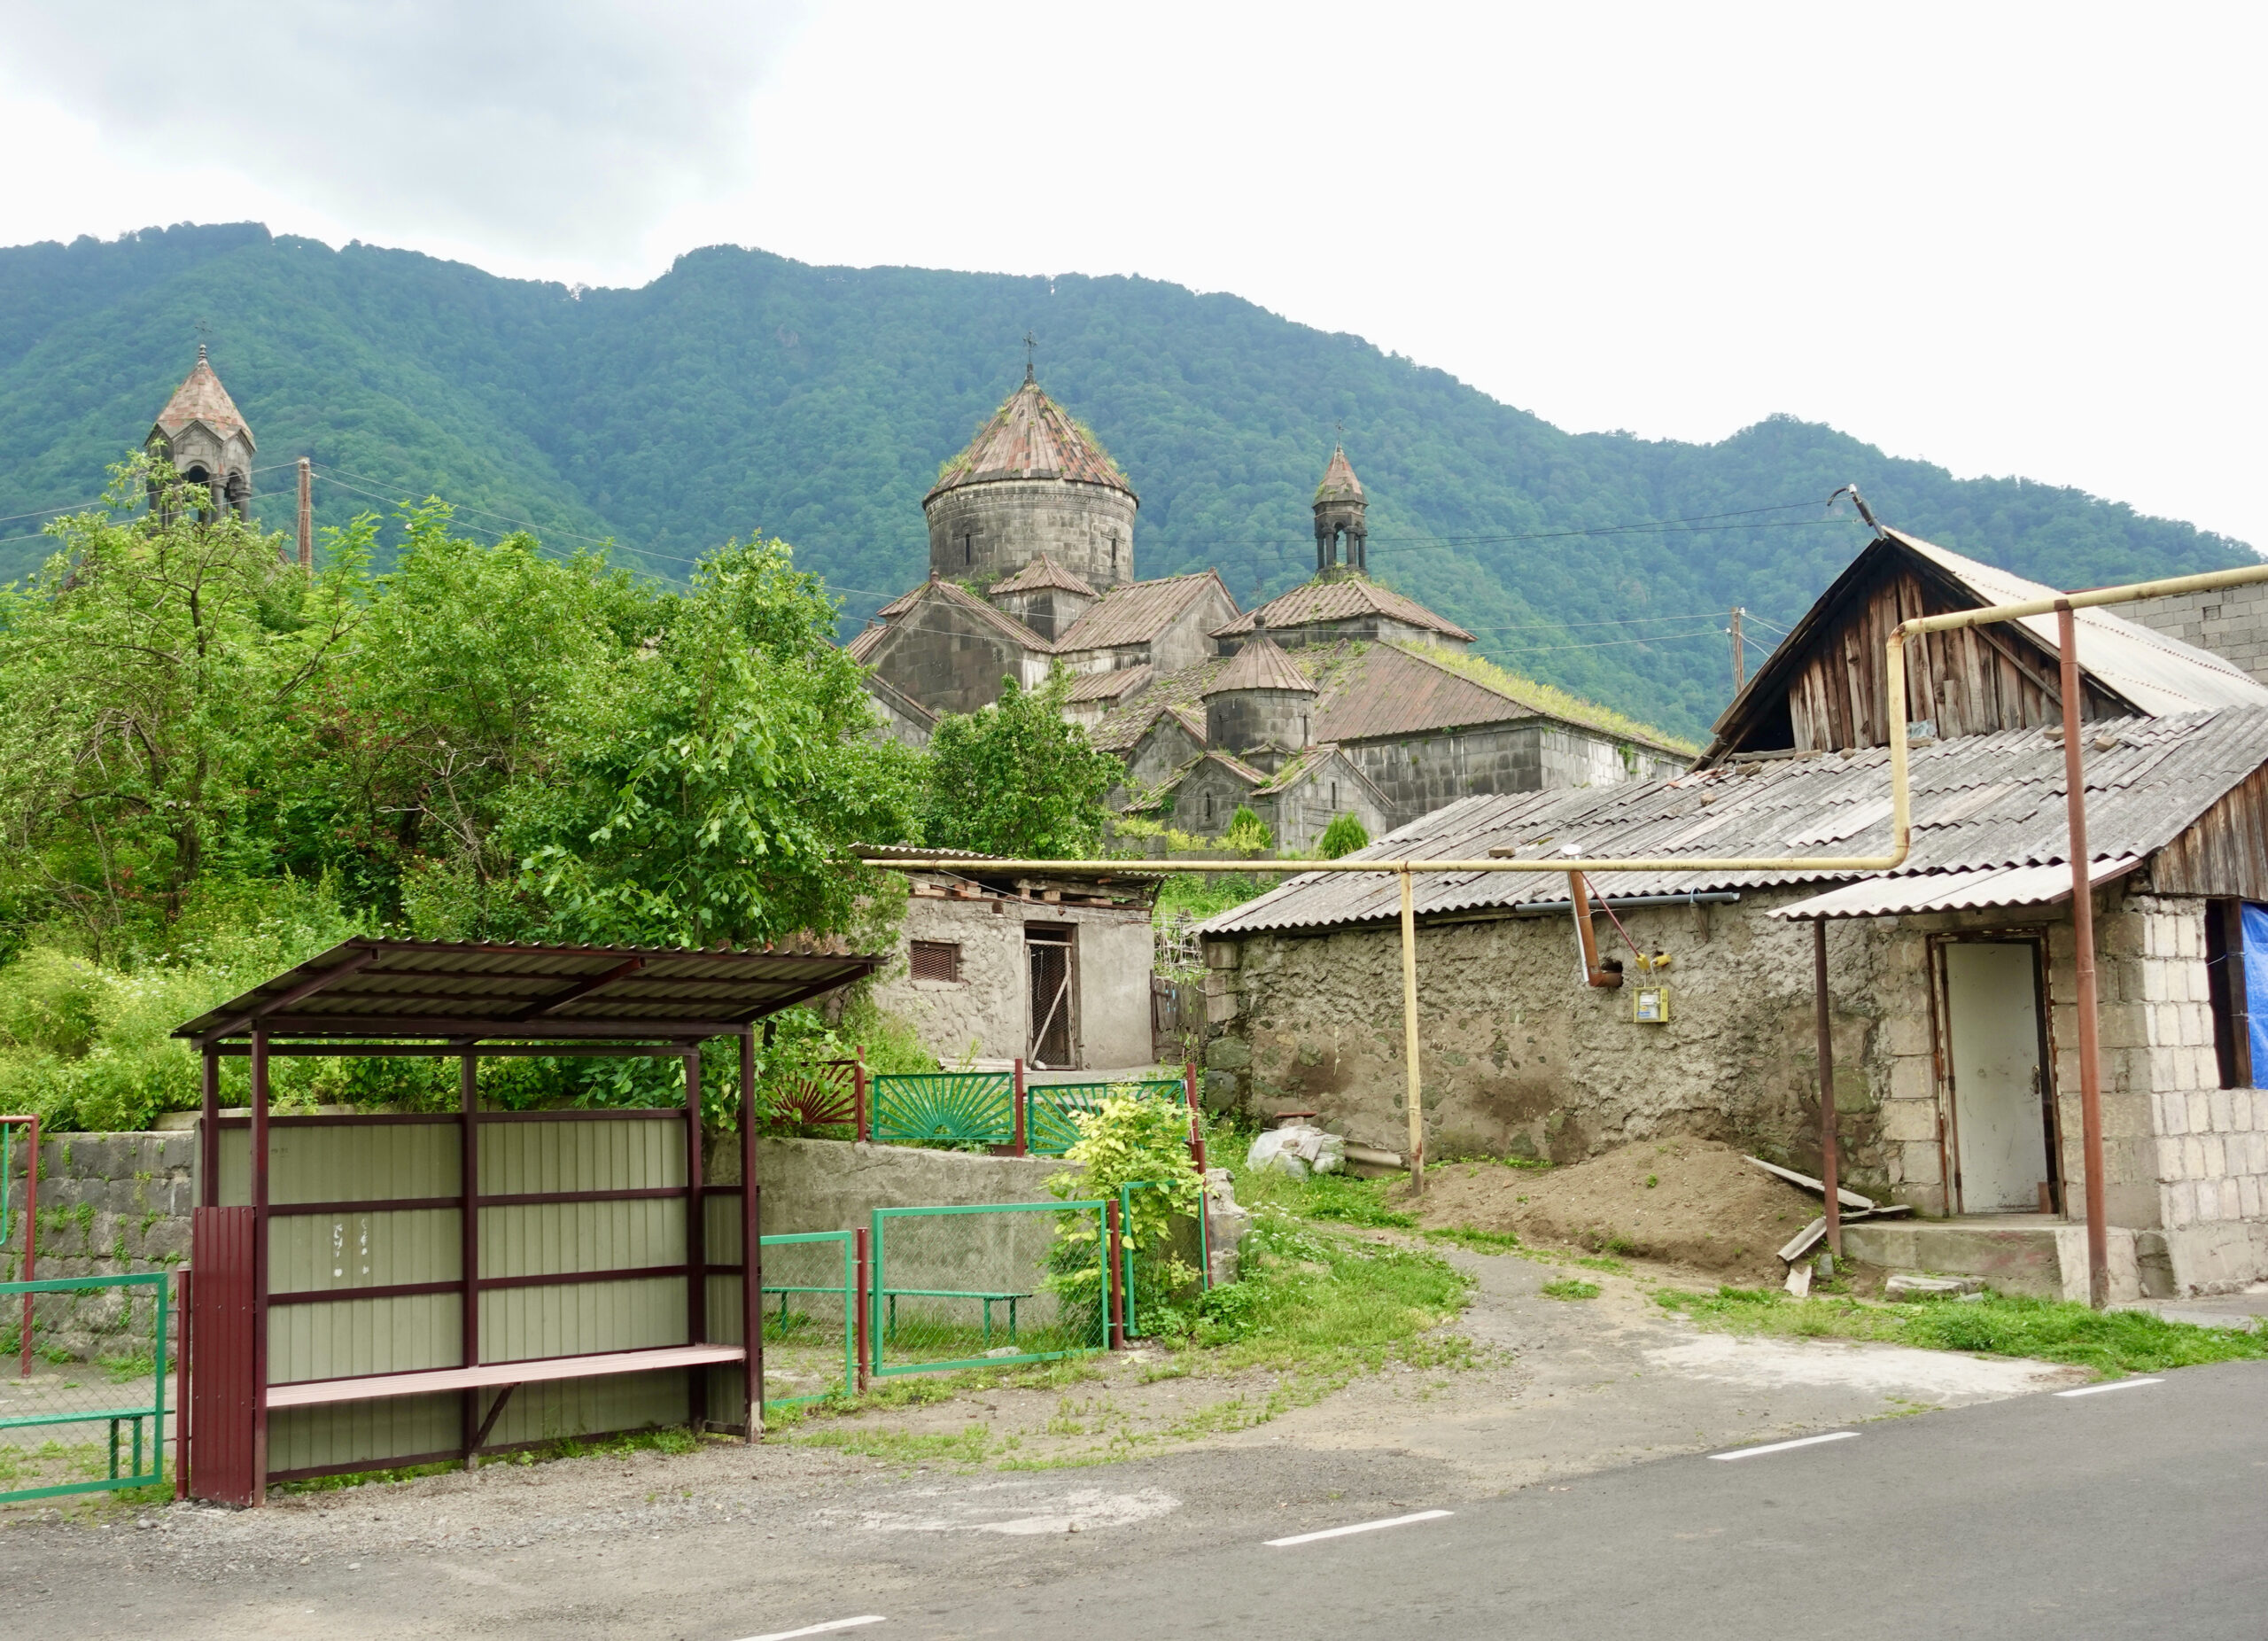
{"type": "Point", "coordinates": [2129, 1512]}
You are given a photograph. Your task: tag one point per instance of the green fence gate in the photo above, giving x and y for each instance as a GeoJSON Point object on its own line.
{"type": "Point", "coordinates": [810, 1311]}
{"type": "Point", "coordinates": [123, 1398]}
{"type": "Point", "coordinates": [988, 1285]}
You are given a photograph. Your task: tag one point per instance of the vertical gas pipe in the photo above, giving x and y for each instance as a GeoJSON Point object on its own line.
{"type": "Point", "coordinates": [2075, 809]}
{"type": "Point", "coordinates": [1409, 1037]}
{"type": "Point", "coordinates": [751, 1246]}
{"type": "Point", "coordinates": [1827, 1157]}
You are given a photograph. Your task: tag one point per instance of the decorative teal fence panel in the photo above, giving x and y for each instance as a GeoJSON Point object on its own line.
{"type": "Point", "coordinates": [122, 1397]}
{"type": "Point", "coordinates": [988, 1286]}
{"type": "Point", "coordinates": [1052, 1109]}
{"type": "Point", "coordinates": [966, 1110]}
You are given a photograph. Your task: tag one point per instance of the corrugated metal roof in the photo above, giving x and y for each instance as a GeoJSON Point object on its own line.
{"type": "Point", "coordinates": [1259, 665]}
{"type": "Point", "coordinates": [1979, 802]}
{"type": "Point", "coordinates": [1039, 575]}
{"type": "Point", "coordinates": [2157, 673]}
{"type": "Point", "coordinates": [1953, 891]}
{"type": "Point", "coordinates": [1138, 611]}
{"type": "Point", "coordinates": [1030, 436]}
{"type": "Point", "coordinates": [1339, 481]}
{"type": "Point", "coordinates": [1345, 597]}
{"type": "Point", "coordinates": [201, 398]}
{"type": "Point", "coordinates": [375, 988]}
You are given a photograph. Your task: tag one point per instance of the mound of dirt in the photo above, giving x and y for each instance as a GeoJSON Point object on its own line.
{"type": "Point", "coordinates": [1688, 1203]}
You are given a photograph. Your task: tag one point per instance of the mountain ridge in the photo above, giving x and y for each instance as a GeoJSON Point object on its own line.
{"type": "Point", "coordinates": [743, 390]}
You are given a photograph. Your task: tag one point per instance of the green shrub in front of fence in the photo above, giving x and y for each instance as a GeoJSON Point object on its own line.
{"type": "Point", "coordinates": [950, 1110]}
{"type": "Point", "coordinates": [811, 1308]}
{"type": "Point", "coordinates": [988, 1285]}
{"type": "Point", "coordinates": [78, 1426]}
{"type": "Point", "coordinates": [1052, 1110]}
{"type": "Point", "coordinates": [1146, 1271]}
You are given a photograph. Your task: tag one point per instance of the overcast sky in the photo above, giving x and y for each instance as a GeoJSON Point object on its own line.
{"type": "Point", "coordinates": [2011, 238]}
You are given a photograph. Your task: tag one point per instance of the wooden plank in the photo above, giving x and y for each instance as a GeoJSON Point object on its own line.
{"type": "Point", "coordinates": [316, 1393]}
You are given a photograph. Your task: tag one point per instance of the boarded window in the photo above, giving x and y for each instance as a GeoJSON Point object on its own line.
{"type": "Point", "coordinates": [936, 960]}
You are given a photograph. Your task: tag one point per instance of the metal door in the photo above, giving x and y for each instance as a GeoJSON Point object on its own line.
{"type": "Point", "coordinates": [1052, 970]}
{"type": "Point", "coordinates": [1993, 1053]}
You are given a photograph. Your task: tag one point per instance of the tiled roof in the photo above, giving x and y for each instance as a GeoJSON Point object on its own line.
{"type": "Point", "coordinates": [1979, 802]}
{"type": "Point", "coordinates": [1127, 681]}
{"type": "Point", "coordinates": [201, 398]}
{"type": "Point", "coordinates": [1041, 573]}
{"type": "Point", "coordinates": [862, 645]}
{"type": "Point", "coordinates": [1346, 598]}
{"type": "Point", "coordinates": [940, 591]}
{"type": "Point", "coordinates": [1259, 665]}
{"type": "Point", "coordinates": [1031, 437]}
{"type": "Point", "coordinates": [1339, 481]}
{"type": "Point", "coordinates": [1138, 611]}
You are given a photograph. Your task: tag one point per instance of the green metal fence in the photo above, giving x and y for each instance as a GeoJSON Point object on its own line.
{"type": "Point", "coordinates": [952, 1110]}
{"type": "Point", "coordinates": [1052, 1110]}
{"type": "Point", "coordinates": [811, 1310]}
{"type": "Point", "coordinates": [988, 1285]}
{"type": "Point", "coordinates": [1134, 1328]}
{"type": "Point", "coordinates": [123, 1398]}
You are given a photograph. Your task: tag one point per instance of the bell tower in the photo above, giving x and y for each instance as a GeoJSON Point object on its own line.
{"type": "Point", "coordinates": [203, 435]}
{"type": "Point", "coordinates": [1339, 509]}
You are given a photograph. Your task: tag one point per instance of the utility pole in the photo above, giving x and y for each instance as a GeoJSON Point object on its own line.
{"type": "Point", "coordinates": [307, 523]}
{"type": "Point", "coordinates": [1740, 657]}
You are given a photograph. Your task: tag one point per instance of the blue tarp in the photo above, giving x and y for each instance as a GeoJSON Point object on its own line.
{"type": "Point", "coordinates": [2255, 987]}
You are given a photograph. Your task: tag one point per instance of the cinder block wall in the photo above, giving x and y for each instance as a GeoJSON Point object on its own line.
{"type": "Point", "coordinates": [2232, 623]}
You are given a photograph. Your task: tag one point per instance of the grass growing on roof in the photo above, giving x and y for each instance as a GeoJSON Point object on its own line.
{"type": "Point", "coordinates": [1546, 697]}
{"type": "Point", "coordinates": [2111, 1342]}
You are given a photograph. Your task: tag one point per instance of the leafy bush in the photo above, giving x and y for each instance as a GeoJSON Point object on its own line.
{"type": "Point", "coordinates": [1130, 1139]}
{"type": "Point", "coordinates": [1247, 831]}
{"type": "Point", "coordinates": [1343, 837]}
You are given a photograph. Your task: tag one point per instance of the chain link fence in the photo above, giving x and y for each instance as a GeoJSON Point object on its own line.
{"type": "Point", "coordinates": [810, 1309]}
{"type": "Point", "coordinates": [84, 1427]}
{"type": "Point", "coordinates": [980, 1286]}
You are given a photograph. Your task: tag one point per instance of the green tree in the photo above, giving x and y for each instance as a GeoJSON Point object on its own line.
{"type": "Point", "coordinates": [1015, 779]}
{"type": "Point", "coordinates": [1343, 837]}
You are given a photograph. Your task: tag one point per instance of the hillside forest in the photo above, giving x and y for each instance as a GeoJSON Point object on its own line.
{"type": "Point", "coordinates": [213, 767]}
{"type": "Point", "coordinates": [745, 396]}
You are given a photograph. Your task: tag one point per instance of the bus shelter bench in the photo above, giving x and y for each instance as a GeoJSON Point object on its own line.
{"type": "Point", "coordinates": [503, 1377]}
{"type": "Point", "coordinates": [893, 1295]}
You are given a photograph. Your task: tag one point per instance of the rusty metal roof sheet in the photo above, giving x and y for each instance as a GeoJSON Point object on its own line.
{"type": "Point", "coordinates": [378, 988]}
{"type": "Point", "coordinates": [1259, 665]}
{"type": "Point", "coordinates": [1030, 436]}
{"type": "Point", "coordinates": [1039, 575]}
{"type": "Point", "coordinates": [1136, 612]}
{"type": "Point", "coordinates": [1339, 481]}
{"type": "Point", "coordinates": [201, 398]}
{"type": "Point", "coordinates": [1344, 598]}
{"type": "Point", "coordinates": [1980, 802]}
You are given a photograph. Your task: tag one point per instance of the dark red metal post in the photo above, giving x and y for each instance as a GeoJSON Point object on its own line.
{"type": "Point", "coordinates": [751, 1247]}
{"type": "Point", "coordinates": [469, 1244]}
{"type": "Point", "coordinates": [182, 1427]}
{"type": "Point", "coordinates": [259, 1481]}
{"type": "Point", "coordinates": [208, 1133]}
{"type": "Point", "coordinates": [1117, 1288]}
{"type": "Point", "coordinates": [1016, 1143]}
{"type": "Point", "coordinates": [1196, 1117]}
{"type": "Point", "coordinates": [696, 1265]}
{"type": "Point", "coordinates": [858, 1094]}
{"type": "Point", "coordinates": [864, 1289]}
{"type": "Point", "coordinates": [1827, 1158]}
{"type": "Point", "coordinates": [2075, 810]}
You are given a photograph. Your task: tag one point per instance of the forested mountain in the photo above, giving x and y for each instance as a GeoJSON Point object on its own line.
{"type": "Point", "coordinates": [742, 391]}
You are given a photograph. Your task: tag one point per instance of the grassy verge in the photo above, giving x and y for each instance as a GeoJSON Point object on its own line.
{"type": "Point", "coordinates": [2111, 1342]}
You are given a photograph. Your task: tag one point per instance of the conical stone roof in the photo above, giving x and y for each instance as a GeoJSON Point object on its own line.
{"type": "Point", "coordinates": [1031, 437]}
{"type": "Point", "coordinates": [1259, 665]}
{"type": "Point", "coordinates": [201, 398]}
{"type": "Point", "coordinates": [1339, 481]}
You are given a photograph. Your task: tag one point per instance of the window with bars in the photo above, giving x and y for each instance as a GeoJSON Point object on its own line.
{"type": "Point", "coordinates": [936, 960]}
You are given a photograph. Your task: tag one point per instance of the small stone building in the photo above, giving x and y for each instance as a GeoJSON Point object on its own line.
{"type": "Point", "coordinates": [998, 966]}
{"type": "Point", "coordinates": [201, 432]}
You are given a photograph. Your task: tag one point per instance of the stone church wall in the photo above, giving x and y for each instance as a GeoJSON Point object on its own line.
{"type": "Point", "coordinates": [1421, 773]}
{"type": "Point", "coordinates": [984, 532]}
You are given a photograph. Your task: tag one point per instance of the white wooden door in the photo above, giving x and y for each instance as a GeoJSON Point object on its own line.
{"type": "Point", "coordinates": [1993, 1005]}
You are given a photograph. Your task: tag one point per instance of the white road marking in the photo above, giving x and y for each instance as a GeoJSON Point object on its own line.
{"type": "Point", "coordinates": [820, 1629]}
{"type": "Point", "coordinates": [2116, 1384]}
{"type": "Point", "coordinates": [1781, 1447]}
{"type": "Point", "coordinates": [1359, 1526]}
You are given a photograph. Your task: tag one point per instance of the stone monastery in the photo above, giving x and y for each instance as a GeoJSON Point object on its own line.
{"type": "Point", "coordinates": [1340, 697]}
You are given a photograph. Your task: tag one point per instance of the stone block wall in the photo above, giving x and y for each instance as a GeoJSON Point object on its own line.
{"type": "Point", "coordinates": [109, 1205]}
{"type": "Point", "coordinates": [2232, 623]}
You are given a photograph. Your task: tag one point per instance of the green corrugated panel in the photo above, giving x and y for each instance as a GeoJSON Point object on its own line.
{"type": "Point", "coordinates": [720, 1216]}
{"type": "Point", "coordinates": [543, 1238]}
{"type": "Point", "coordinates": [586, 1406]}
{"type": "Point", "coordinates": [520, 1323]}
{"type": "Point", "coordinates": [383, 1249]}
{"type": "Point", "coordinates": [344, 1338]}
{"type": "Point", "coordinates": [370, 1433]}
{"type": "Point", "coordinates": [354, 1161]}
{"type": "Point", "coordinates": [523, 1159]}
